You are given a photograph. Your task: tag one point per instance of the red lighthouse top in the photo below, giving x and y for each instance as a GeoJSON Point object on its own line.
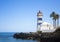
{"type": "Point", "coordinates": [39, 13]}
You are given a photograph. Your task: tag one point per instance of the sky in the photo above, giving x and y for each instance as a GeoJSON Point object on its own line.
{"type": "Point", "coordinates": [21, 15]}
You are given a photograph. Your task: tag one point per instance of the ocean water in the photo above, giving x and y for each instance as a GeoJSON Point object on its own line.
{"type": "Point", "coordinates": [8, 37]}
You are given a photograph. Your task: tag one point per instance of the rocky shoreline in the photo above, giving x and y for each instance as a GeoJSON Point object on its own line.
{"type": "Point", "coordinates": [52, 37]}
{"type": "Point", "coordinates": [32, 36]}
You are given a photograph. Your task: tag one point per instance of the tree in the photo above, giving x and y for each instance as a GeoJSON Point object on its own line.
{"type": "Point", "coordinates": [53, 15]}
{"type": "Point", "coordinates": [57, 16]}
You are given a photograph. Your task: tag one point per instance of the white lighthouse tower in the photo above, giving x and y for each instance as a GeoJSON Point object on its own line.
{"type": "Point", "coordinates": [39, 20]}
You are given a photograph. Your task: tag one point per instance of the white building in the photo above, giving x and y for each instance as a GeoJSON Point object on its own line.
{"type": "Point", "coordinates": [46, 27]}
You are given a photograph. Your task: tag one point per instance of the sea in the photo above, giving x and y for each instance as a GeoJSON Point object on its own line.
{"type": "Point", "coordinates": [8, 37]}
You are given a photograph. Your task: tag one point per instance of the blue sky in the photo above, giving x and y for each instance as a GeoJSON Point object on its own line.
{"type": "Point", "coordinates": [20, 15]}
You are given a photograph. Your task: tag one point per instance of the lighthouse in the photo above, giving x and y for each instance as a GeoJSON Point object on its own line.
{"type": "Point", "coordinates": [39, 20]}
{"type": "Point", "coordinates": [43, 26]}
